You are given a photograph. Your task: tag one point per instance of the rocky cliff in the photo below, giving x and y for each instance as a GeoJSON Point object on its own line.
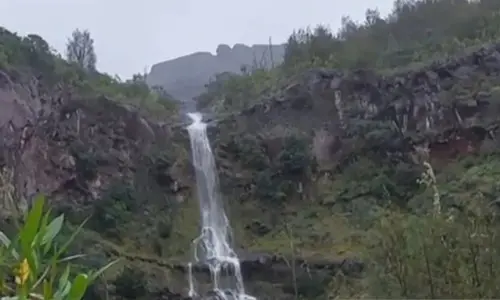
{"type": "Point", "coordinates": [185, 77]}
{"type": "Point", "coordinates": [446, 106]}
{"type": "Point", "coordinates": [325, 121]}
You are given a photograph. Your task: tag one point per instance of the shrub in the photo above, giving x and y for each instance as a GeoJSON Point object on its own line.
{"type": "Point", "coordinates": [37, 262]}
{"type": "Point", "coordinates": [115, 208]}
{"type": "Point", "coordinates": [453, 255]}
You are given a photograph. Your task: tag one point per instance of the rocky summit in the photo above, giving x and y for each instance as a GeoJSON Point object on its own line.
{"type": "Point", "coordinates": [179, 78]}
{"type": "Point", "coordinates": [365, 165]}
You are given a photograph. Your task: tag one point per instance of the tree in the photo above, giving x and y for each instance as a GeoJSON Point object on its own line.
{"type": "Point", "coordinates": [38, 43]}
{"type": "Point", "coordinates": [372, 16]}
{"type": "Point", "coordinates": [80, 50]}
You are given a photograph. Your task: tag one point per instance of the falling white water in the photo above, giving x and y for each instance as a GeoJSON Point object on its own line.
{"type": "Point", "coordinates": [213, 246]}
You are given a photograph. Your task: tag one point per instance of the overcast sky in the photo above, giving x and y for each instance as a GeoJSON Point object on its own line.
{"type": "Point", "coordinates": [130, 35]}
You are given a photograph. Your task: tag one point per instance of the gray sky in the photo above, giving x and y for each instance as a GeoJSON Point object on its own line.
{"type": "Point", "coordinates": [130, 35]}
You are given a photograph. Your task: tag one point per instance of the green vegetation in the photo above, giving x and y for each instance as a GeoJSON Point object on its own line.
{"type": "Point", "coordinates": [447, 250]}
{"type": "Point", "coordinates": [440, 242]}
{"type": "Point", "coordinates": [414, 34]}
{"type": "Point", "coordinates": [38, 263]}
{"type": "Point", "coordinates": [80, 50]}
{"type": "Point", "coordinates": [22, 56]}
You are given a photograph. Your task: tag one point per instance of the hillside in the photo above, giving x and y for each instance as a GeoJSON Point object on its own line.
{"type": "Point", "coordinates": [365, 166]}
{"type": "Point", "coordinates": [343, 153]}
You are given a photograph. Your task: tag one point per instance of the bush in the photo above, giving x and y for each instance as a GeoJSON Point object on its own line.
{"type": "Point", "coordinates": [37, 263]}
{"type": "Point", "coordinates": [453, 255]}
{"type": "Point", "coordinates": [115, 208]}
{"type": "Point", "coordinates": [280, 180]}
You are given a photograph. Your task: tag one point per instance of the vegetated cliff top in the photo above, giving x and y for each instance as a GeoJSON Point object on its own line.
{"type": "Point", "coordinates": [415, 34]}
{"type": "Point", "coordinates": [22, 58]}
{"type": "Point", "coordinates": [185, 77]}
{"type": "Point", "coordinates": [387, 82]}
{"type": "Point", "coordinates": [54, 110]}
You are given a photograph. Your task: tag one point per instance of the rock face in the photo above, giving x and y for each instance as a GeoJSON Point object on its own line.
{"type": "Point", "coordinates": [59, 143]}
{"type": "Point", "coordinates": [185, 77]}
{"type": "Point", "coordinates": [448, 107]}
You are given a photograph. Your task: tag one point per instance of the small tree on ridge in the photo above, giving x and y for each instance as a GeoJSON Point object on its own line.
{"type": "Point", "coordinates": [80, 50]}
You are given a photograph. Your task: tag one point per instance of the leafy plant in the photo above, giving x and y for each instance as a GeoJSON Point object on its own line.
{"type": "Point", "coordinates": [37, 262]}
{"type": "Point", "coordinates": [452, 255]}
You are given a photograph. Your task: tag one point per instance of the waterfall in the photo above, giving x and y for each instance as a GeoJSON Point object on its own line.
{"type": "Point", "coordinates": [213, 246]}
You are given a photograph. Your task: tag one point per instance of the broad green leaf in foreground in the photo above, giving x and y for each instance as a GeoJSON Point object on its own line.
{"type": "Point", "coordinates": [79, 287]}
{"type": "Point", "coordinates": [53, 229]}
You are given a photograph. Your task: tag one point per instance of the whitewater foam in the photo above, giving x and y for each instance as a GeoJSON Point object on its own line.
{"type": "Point", "coordinates": [213, 246]}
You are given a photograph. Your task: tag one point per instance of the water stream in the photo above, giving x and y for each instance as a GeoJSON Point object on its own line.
{"type": "Point", "coordinates": [213, 247]}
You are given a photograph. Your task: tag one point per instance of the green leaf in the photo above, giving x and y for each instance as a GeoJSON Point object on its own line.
{"type": "Point", "coordinates": [71, 257]}
{"type": "Point", "coordinates": [95, 275]}
{"type": "Point", "coordinates": [47, 290]}
{"type": "Point", "coordinates": [42, 278]}
{"type": "Point", "coordinates": [79, 287]}
{"type": "Point", "coordinates": [36, 262]}
{"type": "Point", "coordinates": [69, 240]}
{"type": "Point", "coordinates": [46, 248]}
{"type": "Point", "coordinates": [63, 280]}
{"type": "Point", "coordinates": [53, 230]}
{"type": "Point", "coordinates": [4, 240]}
{"type": "Point", "coordinates": [43, 227]}
{"type": "Point", "coordinates": [44, 222]}
{"type": "Point", "coordinates": [63, 291]}
{"type": "Point", "coordinates": [8, 244]}
{"type": "Point", "coordinates": [31, 226]}
{"type": "Point", "coordinates": [64, 284]}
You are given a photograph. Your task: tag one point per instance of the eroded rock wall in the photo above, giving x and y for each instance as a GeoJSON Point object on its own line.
{"type": "Point", "coordinates": [433, 106]}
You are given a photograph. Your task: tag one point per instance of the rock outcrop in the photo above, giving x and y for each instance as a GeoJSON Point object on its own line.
{"type": "Point", "coordinates": [59, 143]}
{"type": "Point", "coordinates": [185, 77]}
{"type": "Point", "coordinates": [449, 107]}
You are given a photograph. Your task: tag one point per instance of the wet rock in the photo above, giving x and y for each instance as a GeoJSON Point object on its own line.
{"type": "Point", "coordinates": [276, 269]}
